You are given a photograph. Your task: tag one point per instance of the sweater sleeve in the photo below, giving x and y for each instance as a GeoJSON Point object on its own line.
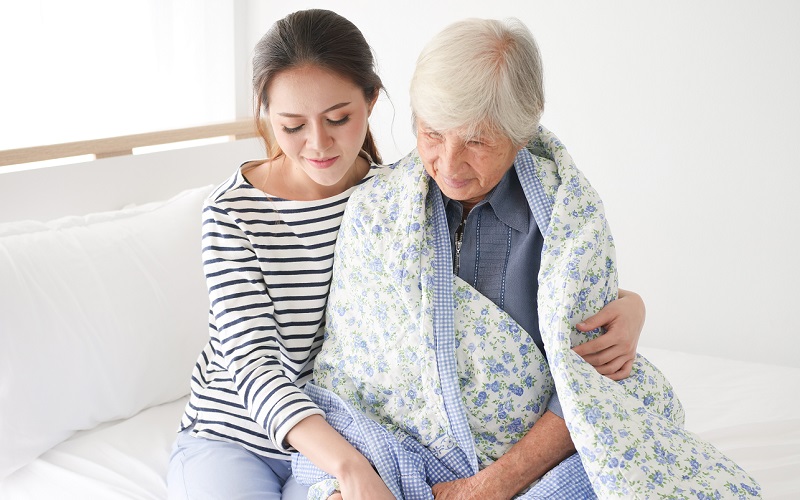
{"type": "Point", "coordinates": [249, 340]}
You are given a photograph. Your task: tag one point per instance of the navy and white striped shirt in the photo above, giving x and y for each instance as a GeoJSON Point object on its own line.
{"type": "Point", "coordinates": [268, 264]}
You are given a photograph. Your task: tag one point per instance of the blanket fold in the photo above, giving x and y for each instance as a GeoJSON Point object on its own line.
{"type": "Point", "coordinates": [417, 358]}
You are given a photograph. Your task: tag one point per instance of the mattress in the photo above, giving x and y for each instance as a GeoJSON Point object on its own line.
{"type": "Point", "coordinates": [743, 408]}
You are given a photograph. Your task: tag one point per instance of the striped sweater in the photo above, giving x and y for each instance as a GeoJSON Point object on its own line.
{"type": "Point", "coordinates": [268, 264]}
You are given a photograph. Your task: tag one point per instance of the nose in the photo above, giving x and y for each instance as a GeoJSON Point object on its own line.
{"type": "Point", "coordinates": [451, 157]}
{"type": "Point", "coordinates": [320, 139]}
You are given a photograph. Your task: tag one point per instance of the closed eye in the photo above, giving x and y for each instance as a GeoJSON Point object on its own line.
{"type": "Point", "coordinates": [292, 130]}
{"type": "Point", "coordinates": [433, 135]}
{"type": "Point", "coordinates": [340, 122]}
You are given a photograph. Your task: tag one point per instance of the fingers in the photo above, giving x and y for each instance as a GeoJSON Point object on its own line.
{"type": "Point", "coordinates": [612, 354]}
{"type": "Point", "coordinates": [336, 496]}
{"type": "Point", "coordinates": [623, 351]}
{"type": "Point", "coordinates": [623, 373]}
{"type": "Point", "coordinates": [605, 348]}
{"type": "Point", "coordinates": [610, 360]}
{"type": "Point", "coordinates": [606, 358]}
{"type": "Point", "coordinates": [612, 365]}
{"type": "Point", "coordinates": [602, 317]}
{"type": "Point", "coordinates": [617, 368]}
{"type": "Point", "coordinates": [594, 346]}
{"type": "Point", "coordinates": [614, 360]}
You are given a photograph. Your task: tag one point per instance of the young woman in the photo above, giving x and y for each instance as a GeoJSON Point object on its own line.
{"type": "Point", "coordinates": [268, 238]}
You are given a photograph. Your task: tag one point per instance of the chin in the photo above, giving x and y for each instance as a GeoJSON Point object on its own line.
{"type": "Point", "coordinates": [327, 181]}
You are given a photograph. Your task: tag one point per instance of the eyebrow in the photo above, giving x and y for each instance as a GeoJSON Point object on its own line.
{"type": "Point", "coordinates": [332, 108]}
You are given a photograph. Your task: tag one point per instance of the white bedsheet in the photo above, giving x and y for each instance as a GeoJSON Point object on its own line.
{"type": "Point", "coordinates": [748, 410]}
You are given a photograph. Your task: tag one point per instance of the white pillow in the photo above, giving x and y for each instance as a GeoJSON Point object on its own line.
{"type": "Point", "coordinates": [101, 317]}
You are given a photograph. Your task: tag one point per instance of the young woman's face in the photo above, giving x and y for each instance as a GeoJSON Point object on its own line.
{"type": "Point", "coordinates": [319, 120]}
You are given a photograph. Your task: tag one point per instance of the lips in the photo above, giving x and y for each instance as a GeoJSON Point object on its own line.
{"type": "Point", "coordinates": [455, 183]}
{"type": "Point", "coordinates": [322, 163]}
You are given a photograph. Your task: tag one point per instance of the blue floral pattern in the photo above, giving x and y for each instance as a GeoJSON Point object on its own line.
{"type": "Point", "coordinates": [629, 434]}
{"type": "Point", "coordinates": [402, 333]}
{"type": "Point", "coordinates": [504, 379]}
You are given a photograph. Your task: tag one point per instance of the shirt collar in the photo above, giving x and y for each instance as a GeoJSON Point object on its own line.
{"type": "Point", "coordinates": [507, 199]}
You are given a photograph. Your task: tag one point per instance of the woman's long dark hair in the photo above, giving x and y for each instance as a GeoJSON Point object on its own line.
{"type": "Point", "coordinates": [322, 38]}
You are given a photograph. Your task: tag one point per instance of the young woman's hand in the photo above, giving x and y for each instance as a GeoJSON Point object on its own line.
{"type": "Point", "coordinates": [328, 450]}
{"type": "Point", "coordinates": [613, 353]}
{"type": "Point", "coordinates": [361, 482]}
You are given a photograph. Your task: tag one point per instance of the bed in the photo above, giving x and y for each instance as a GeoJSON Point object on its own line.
{"type": "Point", "coordinates": [127, 459]}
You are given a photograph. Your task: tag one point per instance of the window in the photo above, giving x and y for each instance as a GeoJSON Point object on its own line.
{"type": "Point", "coordinates": [86, 69]}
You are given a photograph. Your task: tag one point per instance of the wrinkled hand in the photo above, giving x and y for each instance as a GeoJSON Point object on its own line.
{"type": "Point", "coordinates": [612, 354]}
{"type": "Point", "coordinates": [469, 488]}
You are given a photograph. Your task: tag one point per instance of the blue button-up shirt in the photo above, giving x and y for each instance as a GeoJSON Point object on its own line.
{"type": "Point", "coordinates": [500, 253]}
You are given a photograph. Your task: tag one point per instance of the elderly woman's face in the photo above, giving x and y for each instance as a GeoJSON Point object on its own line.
{"type": "Point", "coordinates": [464, 169]}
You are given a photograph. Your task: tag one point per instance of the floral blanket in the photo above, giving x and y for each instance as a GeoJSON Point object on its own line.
{"type": "Point", "coordinates": [431, 381]}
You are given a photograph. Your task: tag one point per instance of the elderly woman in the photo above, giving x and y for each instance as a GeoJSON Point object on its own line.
{"type": "Point", "coordinates": [461, 277]}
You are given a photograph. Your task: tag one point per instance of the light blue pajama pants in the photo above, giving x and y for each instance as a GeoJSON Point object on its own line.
{"type": "Point", "coordinates": [218, 470]}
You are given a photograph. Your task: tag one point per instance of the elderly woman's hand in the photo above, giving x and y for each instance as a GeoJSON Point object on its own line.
{"type": "Point", "coordinates": [469, 488]}
{"type": "Point", "coordinates": [612, 353]}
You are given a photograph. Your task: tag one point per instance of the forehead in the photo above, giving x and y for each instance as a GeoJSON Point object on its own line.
{"type": "Point", "coordinates": [310, 88]}
{"type": "Point", "coordinates": [484, 131]}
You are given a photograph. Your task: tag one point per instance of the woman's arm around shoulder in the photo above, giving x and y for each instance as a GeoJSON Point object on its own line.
{"type": "Point", "coordinates": [613, 353]}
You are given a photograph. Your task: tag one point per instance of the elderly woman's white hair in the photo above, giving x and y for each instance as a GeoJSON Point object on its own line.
{"type": "Point", "coordinates": [480, 73]}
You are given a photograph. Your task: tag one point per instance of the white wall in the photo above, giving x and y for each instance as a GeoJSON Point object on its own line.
{"type": "Point", "coordinates": [685, 116]}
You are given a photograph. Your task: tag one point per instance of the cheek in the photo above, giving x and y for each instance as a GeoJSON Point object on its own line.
{"type": "Point", "coordinates": [283, 139]}
{"type": "Point", "coordinates": [355, 131]}
{"type": "Point", "coordinates": [427, 151]}
{"type": "Point", "coordinates": [427, 155]}
{"type": "Point", "coordinates": [492, 169]}
{"type": "Point", "coordinates": [287, 142]}
{"type": "Point", "coordinates": [359, 129]}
